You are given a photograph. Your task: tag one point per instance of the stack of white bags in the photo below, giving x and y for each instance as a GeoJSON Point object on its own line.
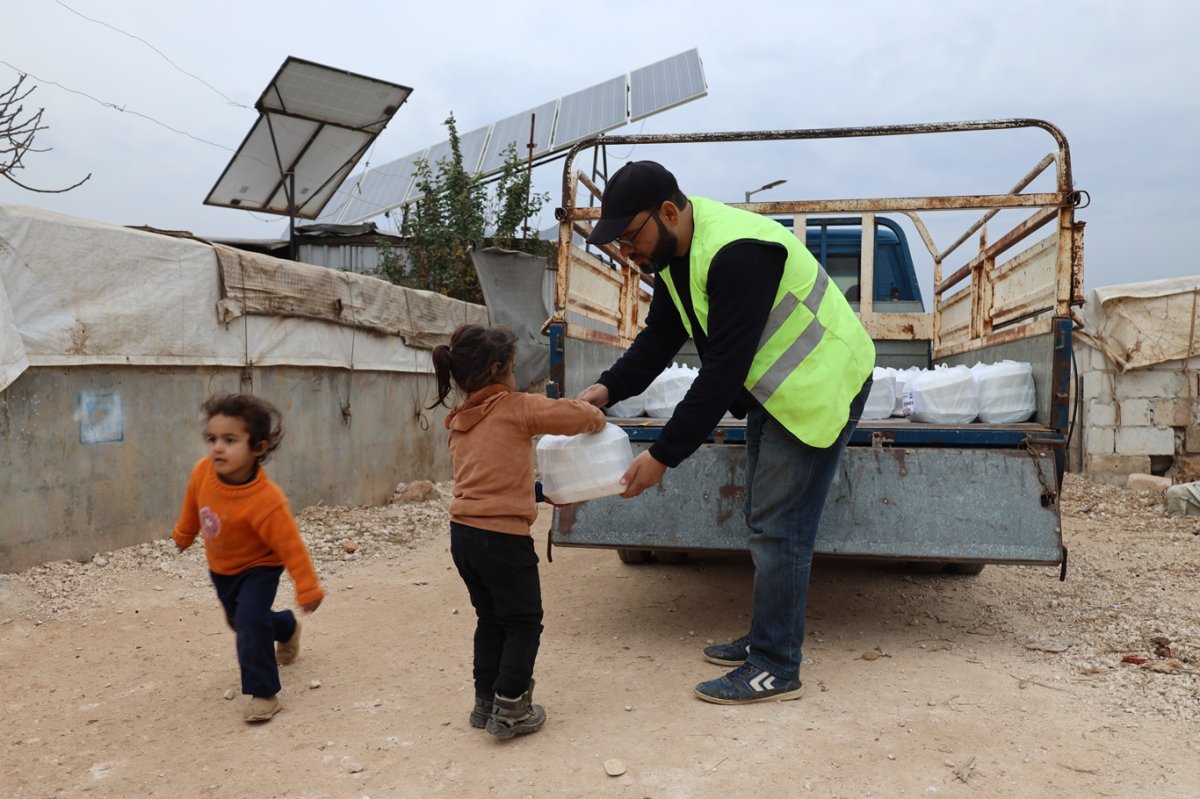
{"type": "Point", "coordinates": [658, 401]}
{"type": "Point", "coordinates": [997, 393]}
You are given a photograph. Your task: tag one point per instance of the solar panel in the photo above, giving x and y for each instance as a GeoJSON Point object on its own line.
{"type": "Point", "coordinates": [515, 130]}
{"type": "Point", "coordinates": [665, 84]}
{"type": "Point", "coordinates": [558, 124]}
{"type": "Point", "coordinates": [314, 124]}
{"type": "Point", "coordinates": [304, 89]}
{"type": "Point", "coordinates": [594, 110]}
{"type": "Point", "coordinates": [377, 189]}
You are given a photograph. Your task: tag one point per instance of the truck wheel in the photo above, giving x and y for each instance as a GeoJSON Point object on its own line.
{"type": "Point", "coordinates": [634, 556]}
{"type": "Point", "coordinates": [965, 568]}
{"type": "Point", "coordinates": [671, 556]}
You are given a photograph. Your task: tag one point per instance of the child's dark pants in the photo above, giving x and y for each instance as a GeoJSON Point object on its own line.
{"type": "Point", "coordinates": [501, 574]}
{"type": "Point", "coordinates": [247, 599]}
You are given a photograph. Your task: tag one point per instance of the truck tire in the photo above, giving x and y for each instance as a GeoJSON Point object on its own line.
{"type": "Point", "coordinates": [634, 556]}
{"type": "Point", "coordinates": [670, 556]}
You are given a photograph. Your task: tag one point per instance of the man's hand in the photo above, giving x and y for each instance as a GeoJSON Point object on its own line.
{"type": "Point", "coordinates": [309, 607]}
{"type": "Point", "coordinates": [595, 394]}
{"type": "Point", "coordinates": [644, 472]}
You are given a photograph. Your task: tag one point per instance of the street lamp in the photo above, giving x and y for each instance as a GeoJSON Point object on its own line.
{"type": "Point", "coordinates": [764, 187]}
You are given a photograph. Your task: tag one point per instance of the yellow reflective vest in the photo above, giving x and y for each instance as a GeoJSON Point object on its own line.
{"type": "Point", "coordinates": [814, 354]}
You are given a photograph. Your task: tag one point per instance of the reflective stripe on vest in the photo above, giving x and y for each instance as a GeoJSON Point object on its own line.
{"type": "Point", "coordinates": [814, 354]}
{"type": "Point", "coordinates": [801, 348]}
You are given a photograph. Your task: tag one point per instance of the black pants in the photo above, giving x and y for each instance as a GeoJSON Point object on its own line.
{"type": "Point", "coordinates": [501, 575]}
{"type": "Point", "coordinates": [247, 599]}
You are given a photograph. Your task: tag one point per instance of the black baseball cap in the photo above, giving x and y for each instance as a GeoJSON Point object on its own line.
{"type": "Point", "coordinates": [637, 186]}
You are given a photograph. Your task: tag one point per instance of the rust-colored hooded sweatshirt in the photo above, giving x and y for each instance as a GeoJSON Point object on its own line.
{"type": "Point", "coordinates": [490, 437]}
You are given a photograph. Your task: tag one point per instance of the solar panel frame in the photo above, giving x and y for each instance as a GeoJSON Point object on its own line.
{"type": "Point", "coordinates": [515, 130]}
{"type": "Point", "coordinates": [378, 188]}
{"type": "Point", "coordinates": [666, 84]}
{"type": "Point", "coordinates": [314, 91]}
{"type": "Point", "coordinates": [591, 111]}
{"type": "Point", "coordinates": [314, 124]}
{"type": "Point", "coordinates": [558, 124]}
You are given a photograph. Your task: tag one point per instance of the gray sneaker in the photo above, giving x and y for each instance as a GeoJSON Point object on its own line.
{"type": "Point", "coordinates": [730, 654]}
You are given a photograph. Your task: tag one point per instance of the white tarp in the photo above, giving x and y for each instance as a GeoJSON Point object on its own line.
{"type": "Point", "coordinates": [75, 292]}
{"type": "Point", "coordinates": [1142, 324]}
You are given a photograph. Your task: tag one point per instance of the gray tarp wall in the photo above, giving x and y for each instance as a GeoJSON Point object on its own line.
{"type": "Point", "coordinates": [110, 339]}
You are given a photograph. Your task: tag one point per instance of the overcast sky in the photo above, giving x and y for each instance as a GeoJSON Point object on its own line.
{"type": "Point", "coordinates": [155, 119]}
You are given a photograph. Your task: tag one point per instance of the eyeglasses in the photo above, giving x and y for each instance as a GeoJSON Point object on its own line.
{"type": "Point", "coordinates": [627, 241]}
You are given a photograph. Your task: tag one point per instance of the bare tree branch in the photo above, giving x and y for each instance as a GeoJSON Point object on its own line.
{"type": "Point", "coordinates": [17, 135]}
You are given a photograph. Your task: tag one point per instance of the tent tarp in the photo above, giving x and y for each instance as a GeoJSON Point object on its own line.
{"type": "Point", "coordinates": [1142, 324]}
{"type": "Point", "coordinates": [74, 292]}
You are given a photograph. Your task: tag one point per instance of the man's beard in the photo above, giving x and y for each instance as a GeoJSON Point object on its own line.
{"type": "Point", "coordinates": [664, 250]}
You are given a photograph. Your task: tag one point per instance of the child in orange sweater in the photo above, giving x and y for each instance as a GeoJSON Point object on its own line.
{"type": "Point", "coordinates": [249, 537]}
{"type": "Point", "coordinates": [491, 513]}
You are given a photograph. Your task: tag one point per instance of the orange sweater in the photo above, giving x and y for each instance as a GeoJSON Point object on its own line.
{"type": "Point", "coordinates": [490, 438]}
{"type": "Point", "coordinates": [245, 526]}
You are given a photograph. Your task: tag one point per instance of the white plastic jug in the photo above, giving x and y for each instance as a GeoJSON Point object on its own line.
{"type": "Point", "coordinates": [585, 466]}
{"type": "Point", "coordinates": [1006, 393]}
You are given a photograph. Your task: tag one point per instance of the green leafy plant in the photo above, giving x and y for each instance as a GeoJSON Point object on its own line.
{"type": "Point", "coordinates": [455, 214]}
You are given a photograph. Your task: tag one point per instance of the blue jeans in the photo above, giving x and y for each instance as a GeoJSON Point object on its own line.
{"type": "Point", "coordinates": [247, 600]}
{"type": "Point", "coordinates": [787, 484]}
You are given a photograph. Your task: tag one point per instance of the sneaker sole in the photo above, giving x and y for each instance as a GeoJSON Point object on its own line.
{"type": "Point", "coordinates": [783, 696]}
{"type": "Point", "coordinates": [724, 661]}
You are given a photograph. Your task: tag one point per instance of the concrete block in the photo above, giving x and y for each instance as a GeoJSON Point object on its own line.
{"type": "Point", "coordinates": [1133, 440]}
{"type": "Point", "coordinates": [1097, 413]}
{"type": "Point", "coordinates": [1100, 440]}
{"type": "Point", "coordinates": [1137, 413]}
{"type": "Point", "coordinates": [1096, 387]}
{"type": "Point", "coordinates": [1172, 412]}
{"type": "Point", "coordinates": [1191, 438]}
{"type": "Point", "coordinates": [1151, 384]}
{"type": "Point", "coordinates": [1147, 482]}
{"type": "Point", "coordinates": [1114, 469]}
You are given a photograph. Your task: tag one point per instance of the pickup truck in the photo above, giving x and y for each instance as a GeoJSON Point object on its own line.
{"type": "Point", "coordinates": [942, 496]}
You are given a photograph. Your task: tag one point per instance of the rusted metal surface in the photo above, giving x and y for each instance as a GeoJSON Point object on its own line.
{"type": "Point", "coordinates": [886, 502]}
{"type": "Point", "coordinates": [1025, 229]}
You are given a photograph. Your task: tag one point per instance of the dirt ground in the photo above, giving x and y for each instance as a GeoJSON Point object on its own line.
{"type": "Point", "coordinates": [1007, 684]}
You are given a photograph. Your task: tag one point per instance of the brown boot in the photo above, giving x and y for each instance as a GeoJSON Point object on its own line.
{"type": "Point", "coordinates": [261, 708]}
{"type": "Point", "coordinates": [287, 651]}
{"type": "Point", "coordinates": [516, 716]}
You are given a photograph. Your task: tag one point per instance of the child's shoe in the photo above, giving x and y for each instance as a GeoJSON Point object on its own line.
{"type": "Point", "coordinates": [287, 651]}
{"type": "Point", "coordinates": [261, 708]}
{"type": "Point", "coordinates": [482, 710]}
{"type": "Point", "coordinates": [516, 716]}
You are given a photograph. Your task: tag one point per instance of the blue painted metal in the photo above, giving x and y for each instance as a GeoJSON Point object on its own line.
{"type": "Point", "coordinates": [556, 331]}
{"type": "Point", "coordinates": [962, 505]}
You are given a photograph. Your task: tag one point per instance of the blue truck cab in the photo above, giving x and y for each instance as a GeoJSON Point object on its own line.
{"type": "Point", "coordinates": [837, 241]}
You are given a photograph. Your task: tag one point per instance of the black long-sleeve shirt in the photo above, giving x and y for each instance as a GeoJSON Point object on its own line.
{"type": "Point", "coordinates": [742, 282]}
